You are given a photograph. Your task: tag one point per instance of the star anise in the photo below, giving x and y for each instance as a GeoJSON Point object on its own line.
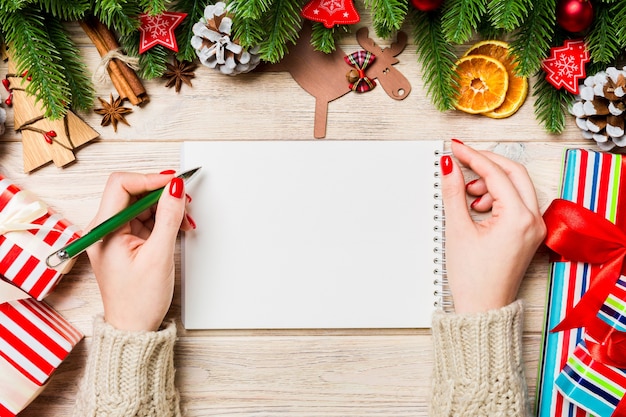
{"type": "Point", "coordinates": [178, 73]}
{"type": "Point", "coordinates": [113, 112]}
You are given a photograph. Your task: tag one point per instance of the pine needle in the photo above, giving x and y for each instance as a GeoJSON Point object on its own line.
{"type": "Point", "coordinates": [436, 57]}
{"type": "Point", "coordinates": [508, 14]}
{"type": "Point", "coordinates": [601, 41]}
{"type": "Point", "coordinates": [531, 43]}
{"type": "Point", "coordinates": [460, 19]}
{"type": "Point", "coordinates": [551, 105]}
{"type": "Point", "coordinates": [324, 39]}
{"type": "Point", "coordinates": [195, 12]}
{"type": "Point", "coordinates": [282, 22]}
{"type": "Point", "coordinates": [387, 15]}
{"type": "Point", "coordinates": [41, 59]}
{"type": "Point", "coordinates": [76, 72]}
{"type": "Point", "coordinates": [65, 10]}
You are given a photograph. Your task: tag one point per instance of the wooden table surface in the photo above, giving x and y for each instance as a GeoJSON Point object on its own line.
{"type": "Point", "coordinates": [340, 373]}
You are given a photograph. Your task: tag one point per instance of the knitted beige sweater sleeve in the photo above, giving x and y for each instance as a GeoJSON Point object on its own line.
{"type": "Point", "coordinates": [478, 364]}
{"type": "Point", "coordinates": [129, 374]}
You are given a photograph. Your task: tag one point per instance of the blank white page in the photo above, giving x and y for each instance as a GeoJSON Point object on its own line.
{"type": "Point", "coordinates": [310, 234]}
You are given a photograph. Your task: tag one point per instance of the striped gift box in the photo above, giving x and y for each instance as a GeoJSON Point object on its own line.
{"type": "Point", "coordinates": [592, 385]}
{"type": "Point", "coordinates": [591, 179]}
{"type": "Point", "coordinates": [23, 253]}
{"type": "Point", "coordinates": [34, 340]}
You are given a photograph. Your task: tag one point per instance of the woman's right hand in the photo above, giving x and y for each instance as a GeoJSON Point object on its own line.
{"type": "Point", "coordinates": [487, 259]}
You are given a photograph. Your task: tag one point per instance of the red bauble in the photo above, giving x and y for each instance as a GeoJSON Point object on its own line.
{"type": "Point", "coordinates": [427, 5]}
{"type": "Point", "coordinates": [574, 15]}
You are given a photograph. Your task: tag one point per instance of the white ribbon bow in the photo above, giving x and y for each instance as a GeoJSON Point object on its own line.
{"type": "Point", "coordinates": [20, 212]}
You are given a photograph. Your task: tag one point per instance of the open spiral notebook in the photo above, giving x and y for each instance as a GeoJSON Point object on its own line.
{"type": "Point", "coordinates": [313, 234]}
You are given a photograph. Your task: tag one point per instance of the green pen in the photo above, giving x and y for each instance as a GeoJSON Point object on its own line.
{"type": "Point", "coordinates": [96, 234]}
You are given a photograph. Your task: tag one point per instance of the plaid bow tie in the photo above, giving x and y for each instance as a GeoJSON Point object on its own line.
{"type": "Point", "coordinates": [359, 82]}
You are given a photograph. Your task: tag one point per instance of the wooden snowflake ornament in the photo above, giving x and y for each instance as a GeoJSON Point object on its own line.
{"type": "Point", "coordinates": [331, 12]}
{"type": "Point", "coordinates": [159, 30]}
{"type": "Point", "coordinates": [566, 65]}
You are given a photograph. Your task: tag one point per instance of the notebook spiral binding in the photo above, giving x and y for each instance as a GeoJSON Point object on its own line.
{"type": "Point", "coordinates": [443, 297]}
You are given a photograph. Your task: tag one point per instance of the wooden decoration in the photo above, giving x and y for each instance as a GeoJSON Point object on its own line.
{"type": "Point", "coordinates": [321, 75]}
{"type": "Point", "coordinates": [44, 140]}
{"type": "Point", "coordinates": [393, 82]}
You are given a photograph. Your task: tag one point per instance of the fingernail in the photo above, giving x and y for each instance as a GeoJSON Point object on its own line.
{"type": "Point", "coordinates": [167, 172]}
{"type": "Point", "coordinates": [475, 202]}
{"type": "Point", "coordinates": [191, 222]}
{"type": "Point", "coordinates": [446, 164]}
{"type": "Point", "coordinates": [176, 187]}
{"type": "Point", "coordinates": [188, 198]}
{"type": "Point", "coordinates": [457, 141]}
{"type": "Point", "coordinates": [469, 184]}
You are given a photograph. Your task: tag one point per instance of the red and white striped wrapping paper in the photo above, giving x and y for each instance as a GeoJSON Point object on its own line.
{"type": "Point", "coordinates": [34, 340]}
{"type": "Point", "coordinates": [23, 253]}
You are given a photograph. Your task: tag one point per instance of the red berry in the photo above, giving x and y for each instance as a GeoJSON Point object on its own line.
{"type": "Point", "coordinates": [9, 100]}
{"type": "Point", "coordinates": [6, 83]}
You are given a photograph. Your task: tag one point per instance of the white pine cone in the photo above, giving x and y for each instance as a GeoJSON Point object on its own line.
{"type": "Point", "coordinates": [600, 108]}
{"type": "Point", "coordinates": [214, 46]}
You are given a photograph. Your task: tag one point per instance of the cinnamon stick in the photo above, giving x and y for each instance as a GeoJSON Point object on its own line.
{"type": "Point", "coordinates": [116, 69]}
{"type": "Point", "coordinates": [130, 75]}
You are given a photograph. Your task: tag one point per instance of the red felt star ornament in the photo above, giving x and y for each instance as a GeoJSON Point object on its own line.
{"type": "Point", "coordinates": [331, 12]}
{"type": "Point", "coordinates": [566, 65]}
{"type": "Point", "coordinates": [159, 30]}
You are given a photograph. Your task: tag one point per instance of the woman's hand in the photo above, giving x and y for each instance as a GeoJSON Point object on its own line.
{"type": "Point", "coordinates": [486, 260]}
{"type": "Point", "coordinates": [134, 265]}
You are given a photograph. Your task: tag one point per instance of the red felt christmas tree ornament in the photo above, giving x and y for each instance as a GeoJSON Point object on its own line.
{"type": "Point", "coordinates": [427, 5]}
{"type": "Point", "coordinates": [574, 15]}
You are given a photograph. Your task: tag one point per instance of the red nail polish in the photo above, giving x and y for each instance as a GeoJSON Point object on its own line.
{"type": "Point", "coordinates": [191, 222]}
{"type": "Point", "coordinates": [475, 202]}
{"type": "Point", "coordinates": [177, 187]}
{"type": "Point", "coordinates": [167, 172]}
{"type": "Point", "coordinates": [457, 141]}
{"type": "Point", "coordinates": [446, 164]}
{"type": "Point", "coordinates": [469, 184]}
{"type": "Point", "coordinates": [188, 198]}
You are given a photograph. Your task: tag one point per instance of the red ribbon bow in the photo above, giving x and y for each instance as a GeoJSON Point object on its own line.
{"type": "Point", "coordinates": [360, 60]}
{"type": "Point", "coordinates": [578, 234]}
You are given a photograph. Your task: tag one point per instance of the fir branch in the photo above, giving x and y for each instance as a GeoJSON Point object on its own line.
{"type": "Point", "coordinates": [154, 62]}
{"type": "Point", "coordinates": [387, 15]}
{"type": "Point", "coordinates": [81, 87]}
{"type": "Point", "coordinates": [249, 9]}
{"type": "Point", "coordinates": [119, 15]}
{"type": "Point", "coordinates": [460, 18]}
{"type": "Point", "coordinates": [551, 105]}
{"type": "Point", "coordinates": [508, 14]}
{"type": "Point", "coordinates": [601, 41]}
{"type": "Point", "coordinates": [486, 30]}
{"type": "Point", "coordinates": [65, 10]}
{"type": "Point", "coordinates": [40, 59]}
{"type": "Point", "coordinates": [153, 7]}
{"type": "Point", "coordinates": [247, 26]}
{"type": "Point", "coordinates": [324, 39]}
{"type": "Point", "coordinates": [436, 57]}
{"type": "Point", "coordinates": [619, 17]}
{"type": "Point", "coordinates": [195, 12]}
{"type": "Point", "coordinates": [282, 22]}
{"type": "Point", "coordinates": [531, 42]}
{"type": "Point", "coordinates": [9, 6]}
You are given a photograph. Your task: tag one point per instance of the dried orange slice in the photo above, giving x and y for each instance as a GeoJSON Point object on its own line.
{"type": "Point", "coordinates": [483, 82]}
{"type": "Point", "coordinates": [518, 86]}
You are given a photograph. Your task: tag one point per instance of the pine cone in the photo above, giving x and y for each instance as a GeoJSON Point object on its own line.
{"type": "Point", "coordinates": [600, 107]}
{"type": "Point", "coordinates": [214, 46]}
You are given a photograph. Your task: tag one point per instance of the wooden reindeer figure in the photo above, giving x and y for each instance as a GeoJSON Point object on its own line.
{"type": "Point", "coordinates": [321, 75]}
{"type": "Point", "coordinates": [393, 82]}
